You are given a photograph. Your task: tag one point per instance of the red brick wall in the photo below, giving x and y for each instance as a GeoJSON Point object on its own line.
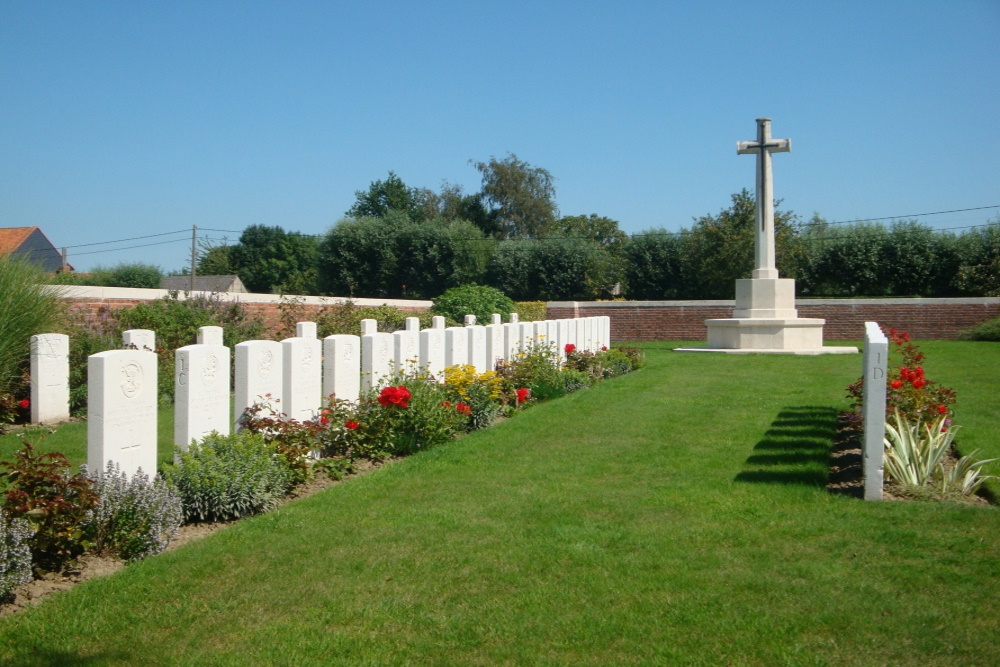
{"type": "Point", "coordinates": [845, 318]}
{"type": "Point", "coordinates": [268, 312]}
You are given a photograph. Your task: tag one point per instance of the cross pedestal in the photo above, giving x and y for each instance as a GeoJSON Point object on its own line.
{"type": "Point", "coordinates": [765, 319]}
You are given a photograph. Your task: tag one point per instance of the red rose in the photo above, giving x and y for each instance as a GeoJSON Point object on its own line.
{"type": "Point", "coordinates": [324, 417]}
{"type": "Point", "coordinates": [570, 348]}
{"type": "Point", "coordinates": [942, 410]}
{"type": "Point", "coordinates": [522, 394]}
{"type": "Point", "coordinates": [896, 384]}
{"type": "Point", "coordinates": [399, 396]}
{"type": "Point", "coordinates": [24, 404]}
{"type": "Point", "coordinates": [350, 426]}
{"type": "Point", "coordinates": [604, 348]}
{"type": "Point", "coordinates": [918, 383]}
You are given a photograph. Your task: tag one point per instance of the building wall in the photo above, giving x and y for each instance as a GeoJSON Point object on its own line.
{"type": "Point", "coordinates": [845, 318]}
{"type": "Point", "coordinates": [87, 302]}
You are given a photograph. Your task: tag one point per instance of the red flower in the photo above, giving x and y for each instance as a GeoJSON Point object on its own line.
{"type": "Point", "coordinates": [445, 404]}
{"type": "Point", "coordinates": [904, 374]}
{"type": "Point", "coordinates": [896, 384]}
{"type": "Point", "coordinates": [570, 348]}
{"type": "Point", "coordinates": [24, 404]}
{"type": "Point", "coordinates": [399, 396]}
{"type": "Point", "coordinates": [350, 426]}
{"type": "Point", "coordinates": [463, 409]}
{"type": "Point", "coordinates": [522, 394]}
{"type": "Point", "coordinates": [604, 348]}
{"type": "Point", "coordinates": [324, 417]}
{"type": "Point", "coordinates": [918, 383]}
{"type": "Point", "coordinates": [943, 410]}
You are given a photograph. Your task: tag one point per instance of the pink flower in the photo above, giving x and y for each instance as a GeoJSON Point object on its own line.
{"type": "Point", "coordinates": [570, 348]}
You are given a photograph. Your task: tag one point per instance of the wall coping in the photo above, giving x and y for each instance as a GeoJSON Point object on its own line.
{"type": "Point", "coordinates": [112, 293]}
{"type": "Point", "coordinates": [800, 302]}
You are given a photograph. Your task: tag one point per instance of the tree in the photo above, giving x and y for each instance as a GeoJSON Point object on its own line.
{"type": "Point", "coordinates": [392, 194]}
{"type": "Point", "coordinates": [720, 249]}
{"type": "Point", "coordinates": [357, 257]}
{"type": "Point", "coordinates": [519, 198]}
{"type": "Point", "coordinates": [269, 259]}
{"type": "Point", "coordinates": [653, 262]}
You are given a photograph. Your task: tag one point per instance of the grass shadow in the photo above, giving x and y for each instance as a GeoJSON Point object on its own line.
{"type": "Point", "coordinates": [795, 448]}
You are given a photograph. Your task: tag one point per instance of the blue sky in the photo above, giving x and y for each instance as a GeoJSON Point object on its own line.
{"type": "Point", "coordinates": [127, 119]}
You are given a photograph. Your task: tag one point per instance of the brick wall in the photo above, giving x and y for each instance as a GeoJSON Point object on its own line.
{"type": "Point", "coordinates": [845, 318]}
{"type": "Point", "coordinates": [88, 301]}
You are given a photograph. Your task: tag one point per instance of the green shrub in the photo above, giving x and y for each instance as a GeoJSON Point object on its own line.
{"type": "Point", "coordinates": [476, 300]}
{"type": "Point", "coordinates": [229, 477]}
{"type": "Point", "coordinates": [135, 517]}
{"type": "Point", "coordinates": [574, 380]}
{"type": "Point", "coordinates": [537, 369]}
{"type": "Point", "coordinates": [988, 330]}
{"type": "Point", "coordinates": [530, 311]}
{"type": "Point", "coordinates": [27, 307]}
{"type": "Point", "coordinates": [15, 554]}
{"type": "Point", "coordinates": [128, 275]}
{"type": "Point", "coordinates": [55, 503]}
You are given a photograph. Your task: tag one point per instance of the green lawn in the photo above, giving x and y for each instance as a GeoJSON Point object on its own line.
{"type": "Point", "coordinates": [673, 516]}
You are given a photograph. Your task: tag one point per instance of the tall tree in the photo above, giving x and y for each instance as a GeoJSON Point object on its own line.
{"type": "Point", "coordinates": [392, 194]}
{"type": "Point", "coordinates": [520, 198]}
{"type": "Point", "coordinates": [269, 259]}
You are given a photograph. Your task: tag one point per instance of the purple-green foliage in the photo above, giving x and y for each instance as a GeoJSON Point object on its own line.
{"type": "Point", "coordinates": [15, 554]}
{"type": "Point", "coordinates": [136, 517]}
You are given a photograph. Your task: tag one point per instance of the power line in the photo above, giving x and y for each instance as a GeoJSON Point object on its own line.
{"type": "Point", "coordinates": [134, 238]}
{"type": "Point", "coordinates": [142, 245]}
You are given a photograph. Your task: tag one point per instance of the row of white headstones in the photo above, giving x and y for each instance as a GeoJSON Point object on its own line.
{"type": "Point", "coordinates": [293, 375]}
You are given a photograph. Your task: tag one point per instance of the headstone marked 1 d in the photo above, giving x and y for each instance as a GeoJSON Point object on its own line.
{"type": "Point", "coordinates": [259, 373]}
{"type": "Point", "coordinates": [121, 411]}
{"type": "Point", "coordinates": [876, 357]}
{"type": "Point", "coordinates": [49, 378]}
{"type": "Point", "coordinates": [142, 339]}
{"type": "Point", "coordinates": [342, 367]}
{"type": "Point", "coordinates": [210, 336]}
{"type": "Point", "coordinates": [302, 389]}
{"type": "Point", "coordinates": [201, 390]}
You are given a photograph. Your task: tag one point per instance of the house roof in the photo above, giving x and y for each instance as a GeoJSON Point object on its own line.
{"type": "Point", "coordinates": [11, 238]}
{"type": "Point", "coordinates": [203, 283]}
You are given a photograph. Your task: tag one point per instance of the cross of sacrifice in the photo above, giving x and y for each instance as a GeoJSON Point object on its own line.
{"type": "Point", "coordinates": [764, 237]}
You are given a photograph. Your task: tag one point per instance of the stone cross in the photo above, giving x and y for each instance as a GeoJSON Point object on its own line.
{"type": "Point", "coordinates": [764, 238]}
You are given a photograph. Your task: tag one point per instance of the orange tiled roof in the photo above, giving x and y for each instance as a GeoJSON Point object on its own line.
{"type": "Point", "coordinates": [11, 238]}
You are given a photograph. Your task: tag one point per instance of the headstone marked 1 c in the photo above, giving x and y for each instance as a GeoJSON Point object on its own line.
{"type": "Point", "coordinates": [121, 410]}
{"type": "Point", "coordinates": [876, 356]}
{"type": "Point", "coordinates": [49, 378]}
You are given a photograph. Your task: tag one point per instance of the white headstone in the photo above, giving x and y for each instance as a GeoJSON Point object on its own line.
{"type": "Point", "coordinates": [876, 357]}
{"type": "Point", "coordinates": [470, 320]}
{"type": "Point", "coordinates": [438, 322]}
{"type": "Point", "coordinates": [526, 336]}
{"type": "Point", "coordinates": [201, 393]}
{"type": "Point", "coordinates": [305, 330]}
{"type": "Point", "coordinates": [142, 339]}
{"type": "Point", "coordinates": [476, 334]}
{"type": "Point", "coordinates": [302, 390]}
{"type": "Point", "coordinates": [494, 344]}
{"type": "Point", "coordinates": [495, 318]}
{"type": "Point", "coordinates": [377, 355]}
{"type": "Point", "coordinates": [562, 333]}
{"type": "Point", "coordinates": [342, 367]}
{"type": "Point", "coordinates": [514, 318]}
{"type": "Point", "coordinates": [413, 324]}
{"type": "Point", "coordinates": [49, 378]}
{"type": "Point", "coordinates": [605, 331]}
{"type": "Point", "coordinates": [210, 336]}
{"type": "Point", "coordinates": [369, 327]}
{"type": "Point", "coordinates": [511, 340]}
{"type": "Point", "coordinates": [432, 350]}
{"type": "Point", "coordinates": [580, 335]}
{"type": "Point", "coordinates": [259, 377]}
{"type": "Point", "coordinates": [456, 346]}
{"type": "Point", "coordinates": [406, 349]}
{"type": "Point", "coordinates": [121, 411]}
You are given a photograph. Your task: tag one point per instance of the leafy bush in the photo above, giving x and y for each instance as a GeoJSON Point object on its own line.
{"type": "Point", "coordinates": [134, 518]}
{"type": "Point", "coordinates": [574, 380]}
{"type": "Point", "coordinates": [294, 441]}
{"type": "Point", "coordinates": [127, 275]}
{"type": "Point", "coordinates": [476, 300]}
{"type": "Point", "coordinates": [530, 311]}
{"type": "Point", "coordinates": [55, 503]}
{"type": "Point", "coordinates": [229, 477]}
{"type": "Point", "coordinates": [28, 307]}
{"type": "Point", "coordinates": [481, 392]}
{"type": "Point", "coordinates": [15, 554]}
{"type": "Point", "coordinates": [988, 330]}
{"type": "Point", "coordinates": [536, 369]}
